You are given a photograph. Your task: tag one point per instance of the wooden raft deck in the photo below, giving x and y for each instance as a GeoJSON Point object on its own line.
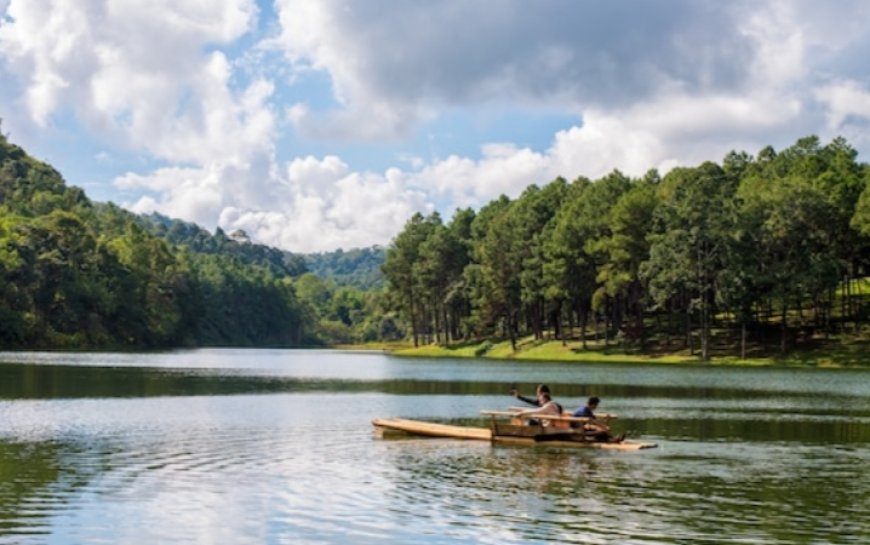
{"type": "Point", "coordinates": [431, 429]}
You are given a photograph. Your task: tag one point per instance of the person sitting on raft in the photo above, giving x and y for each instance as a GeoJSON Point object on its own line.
{"type": "Point", "coordinates": [537, 402]}
{"type": "Point", "coordinates": [547, 407]}
{"type": "Point", "coordinates": [595, 426]}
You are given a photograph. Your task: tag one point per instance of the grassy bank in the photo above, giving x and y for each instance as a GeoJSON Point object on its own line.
{"type": "Point", "coordinates": [849, 352]}
{"type": "Point", "coordinates": [377, 346]}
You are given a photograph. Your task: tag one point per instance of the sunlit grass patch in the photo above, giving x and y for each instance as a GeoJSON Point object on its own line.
{"type": "Point", "coordinates": [845, 352]}
{"type": "Point", "coordinates": [467, 350]}
{"type": "Point", "coordinates": [387, 346]}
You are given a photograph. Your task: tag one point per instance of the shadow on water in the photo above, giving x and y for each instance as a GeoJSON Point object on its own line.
{"type": "Point", "coordinates": [723, 414]}
{"type": "Point", "coordinates": [34, 479]}
{"type": "Point", "coordinates": [26, 381]}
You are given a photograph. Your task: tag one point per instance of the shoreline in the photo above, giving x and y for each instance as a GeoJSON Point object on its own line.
{"type": "Point", "coordinates": [854, 354]}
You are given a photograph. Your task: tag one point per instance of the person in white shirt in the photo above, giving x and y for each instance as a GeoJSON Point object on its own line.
{"type": "Point", "coordinates": [547, 407]}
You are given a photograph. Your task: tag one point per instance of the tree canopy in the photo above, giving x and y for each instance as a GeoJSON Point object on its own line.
{"type": "Point", "coordinates": [77, 274]}
{"type": "Point", "coordinates": [748, 245]}
{"type": "Point", "coordinates": [765, 249]}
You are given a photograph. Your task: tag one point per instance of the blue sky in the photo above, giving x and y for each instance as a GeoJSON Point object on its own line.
{"type": "Point", "coordinates": [319, 124]}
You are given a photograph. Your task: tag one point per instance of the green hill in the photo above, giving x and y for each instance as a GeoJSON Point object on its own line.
{"type": "Point", "coordinates": [359, 268]}
{"type": "Point", "coordinates": [237, 245]}
{"type": "Point", "coordinates": [80, 275]}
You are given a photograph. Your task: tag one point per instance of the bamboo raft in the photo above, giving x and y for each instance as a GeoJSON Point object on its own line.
{"type": "Point", "coordinates": [505, 428]}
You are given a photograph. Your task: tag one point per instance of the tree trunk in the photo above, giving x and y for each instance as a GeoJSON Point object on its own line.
{"type": "Point", "coordinates": [445, 323]}
{"type": "Point", "coordinates": [844, 302]}
{"type": "Point", "coordinates": [570, 321]}
{"type": "Point", "coordinates": [512, 331]}
{"type": "Point", "coordinates": [641, 327]}
{"type": "Point", "coordinates": [596, 327]}
{"type": "Point", "coordinates": [783, 341]}
{"type": "Point", "coordinates": [689, 343]}
{"type": "Point", "coordinates": [705, 334]}
{"type": "Point", "coordinates": [414, 331]}
{"type": "Point", "coordinates": [800, 309]}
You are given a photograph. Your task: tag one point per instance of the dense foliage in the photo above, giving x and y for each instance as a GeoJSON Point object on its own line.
{"type": "Point", "coordinates": [754, 251]}
{"type": "Point", "coordinates": [359, 268]}
{"type": "Point", "coordinates": [764, 246]}
{"type": "Point", "coordinates": [236, 244]}
{"type": "Point", "coordinates": [75, 274]}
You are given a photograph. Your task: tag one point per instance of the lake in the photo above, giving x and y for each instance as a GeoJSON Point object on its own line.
{"type": "Point", "coordinates": [276, 446]}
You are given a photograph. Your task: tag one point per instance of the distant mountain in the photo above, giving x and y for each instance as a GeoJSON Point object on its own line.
{"type": "Point", "coordinates": [236, 245]}
{"type": "Point", "coordinates": [359, 268]}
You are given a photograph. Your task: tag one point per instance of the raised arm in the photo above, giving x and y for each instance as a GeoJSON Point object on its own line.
{"type": "Point", "coordinates": [524, 399]}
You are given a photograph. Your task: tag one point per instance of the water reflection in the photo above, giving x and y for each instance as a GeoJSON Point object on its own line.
{"type": "Point", "coordinates": [28, 474]}
{"type": "Point", "coordinates": [132, 454]}
{"type": "Point", "coordinates": [53, 381]}
{"type": "Point", "coordinates": [552, 495]}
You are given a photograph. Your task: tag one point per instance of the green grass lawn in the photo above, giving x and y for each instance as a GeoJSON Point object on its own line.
{"type": "Point", "coordinates": [853, 352]}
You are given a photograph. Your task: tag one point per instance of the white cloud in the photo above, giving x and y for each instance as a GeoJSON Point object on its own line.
{"type": "Point", "coordinates": [847, 111]}
{"type": "Point", "coordinates": [656, 85]}
{"type": "Point", "coordinates": [323, 206]}
{"type": "Point", "coordinates": [660, 133]}
{"type": "Point", "coordinates": [190, 193]}
{"type": "Point", "coordinates": [503, 169]}
{"type": "Point", "coordinates": [701, 81]}
{"type": "Point", "coordinates": [134, 71]}
{"type": "Point", "coordinates": [844, 100]}
{"type": "Point", "coordinates": [392, 68]}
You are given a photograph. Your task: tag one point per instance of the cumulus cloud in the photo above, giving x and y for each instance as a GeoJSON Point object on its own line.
{"type": "Point", "coordinates": [323, 205]}
{"type": "Point", "coordinates": [660, 133]}
{"type": "Point", "coordinates": [655, 84]}
{"type": "Point", "coordinates": [845, 101]}
{"type": "Point", "coordinates": [113, 63]}
{"type": "Point", "coordinates": [390, 67]}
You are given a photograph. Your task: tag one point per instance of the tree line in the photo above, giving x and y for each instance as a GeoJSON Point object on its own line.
{"type": "Point", "coordinates": [339, 291]}
{"type": "Point", "coordinates": [758, 250]}
{"type": "Point", "coordinates": [77, 274]}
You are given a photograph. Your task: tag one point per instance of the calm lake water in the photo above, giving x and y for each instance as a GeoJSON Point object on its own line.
{"type": "Point", "coordinates": [276, 446]}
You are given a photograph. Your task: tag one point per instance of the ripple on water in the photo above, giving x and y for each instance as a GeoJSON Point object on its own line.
{"type": "Point", "coordinates": [269, 469]}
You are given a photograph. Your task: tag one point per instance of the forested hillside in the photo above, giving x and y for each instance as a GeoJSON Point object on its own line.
{"type": "Point", "coordinates": [237, 245]}
{"type": "Point", "coordinates": [757, 252]}
{"type": "Point", "coordinates": [359, 268]}
{"type": "Point", "coordinates": [75, 274]}
{"type": "Point", "coordinates": [762, 251]}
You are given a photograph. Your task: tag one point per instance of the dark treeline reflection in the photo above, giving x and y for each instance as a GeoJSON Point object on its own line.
{"type": "Point", "coordinates": [678, 412]}
{"type": "Point", "coordinates": [26, 381]}
{"type": "Point", "coordinates": [30, 477]}
{"type": "Point", "coordinates": [752, 428]}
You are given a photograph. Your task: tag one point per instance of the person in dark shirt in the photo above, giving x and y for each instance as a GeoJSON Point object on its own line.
{"type": "Point", "coordinates": [588, 410]}
{"type": "Point", "coordinates": [595, 426]}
